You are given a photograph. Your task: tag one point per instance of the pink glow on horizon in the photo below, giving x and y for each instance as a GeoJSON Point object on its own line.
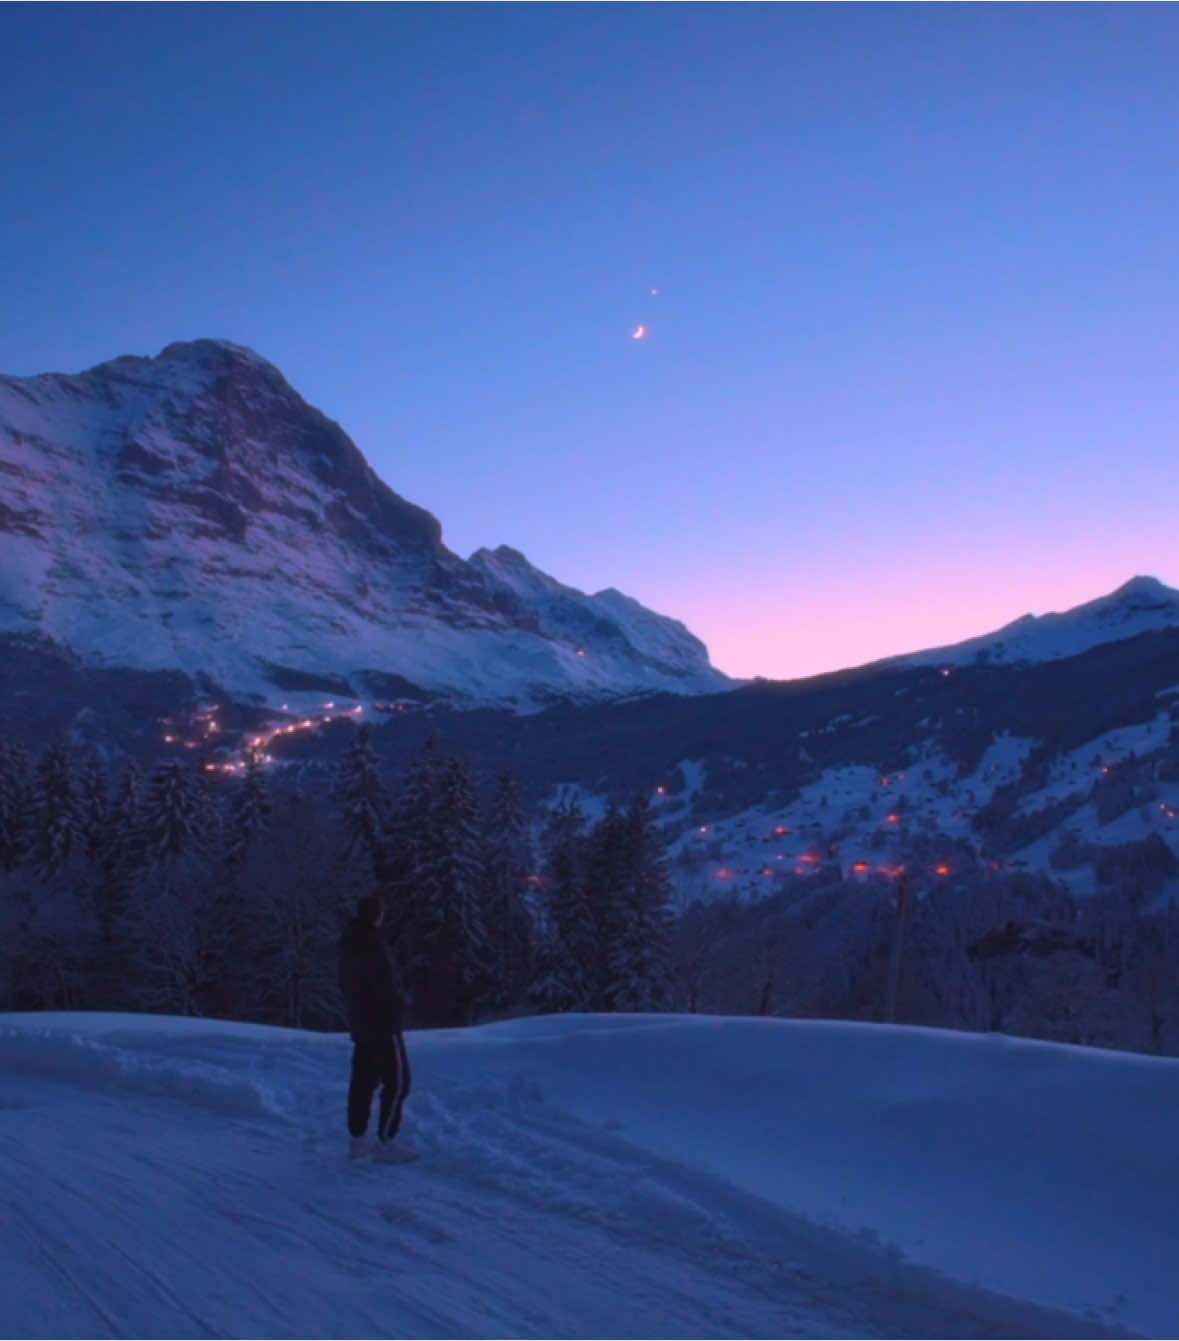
{"type": "Point", "coordinates": [831, 626]}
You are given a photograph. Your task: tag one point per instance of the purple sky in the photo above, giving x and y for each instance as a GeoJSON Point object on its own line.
{"type": "Point", "coordinates": [912, 370]}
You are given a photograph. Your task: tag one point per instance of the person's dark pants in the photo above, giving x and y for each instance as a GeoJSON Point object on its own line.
{"type": "Point", "coordinates": [382, 1062]}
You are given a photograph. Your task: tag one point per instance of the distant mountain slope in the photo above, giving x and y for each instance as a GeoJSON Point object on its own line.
{"type": "Point", "coordinates": [191, 512]}
{"type": "Point", "coordinates": [1142, 605]}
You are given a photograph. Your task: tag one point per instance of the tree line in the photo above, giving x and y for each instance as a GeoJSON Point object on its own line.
{"type": "Point", "coordinates": [179, 891]}
{"type": "Point", "coordinates": [182, 891]}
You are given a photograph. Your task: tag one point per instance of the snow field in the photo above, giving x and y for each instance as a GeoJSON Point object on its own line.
{"type": "Point", "coordinates": [585, 1175]}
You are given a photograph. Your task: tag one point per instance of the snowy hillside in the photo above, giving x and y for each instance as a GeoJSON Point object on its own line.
{"type": "Point", "coordinates": [1141, 605]}
{"type": "Point", "coordinates": [853, 820]}
{"type": "Point", "coordinates": [586, 1176]}
{"type": "Point", "coordinates": [191, 512]}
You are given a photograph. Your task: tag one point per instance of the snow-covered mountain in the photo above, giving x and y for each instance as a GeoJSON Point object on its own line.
{"type": "Point", "coordinates": [1142, 605]}
{"type": "Point", "coordinates": [191, 512]}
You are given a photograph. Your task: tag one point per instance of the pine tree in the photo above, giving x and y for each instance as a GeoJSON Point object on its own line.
{"type": "Point", "coordinates": [123, 852]}
{"type": "Point", "coordinates": [94, 807]}
{"type": "Point", "coordinates": [548, 988]}
{"type": "Point", "coordinates": [57, 830]}
{"type": "Point", "coordinates": [639, 955]}
{"type": "Point", "coordinates": [361, 797]}
{"type": "Point", "coordinates": [285, 968]}
{"type": "Point", "coordinates": [571, 947]}
{"type": "Point", "coordinates": [176, 815]}
{"type": "Point", "coordinates": [455, 940]}
{"type": "Point", "coordinates": [249, 814]}
{"type": "Point", "coordinates": [405, 862]}
{"type": "Point", "coordinates": [606, 879]}
{"type": "Point", "coordinates": [16, 786]}
{"type": "Point", "coordinates": [175, 943]}
{"type": "Point", "coordinates": [433, 881]}
{"type": "Point", "coordinates": [120, 860]}
{"type": "Point", "coordinates": [507, 865]}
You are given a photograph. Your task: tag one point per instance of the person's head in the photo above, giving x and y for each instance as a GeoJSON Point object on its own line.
{"type": "Point", "coordinates": [371, 909]}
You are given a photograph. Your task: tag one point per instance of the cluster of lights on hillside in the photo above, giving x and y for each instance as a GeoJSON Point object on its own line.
{"type": "Point", "coordinates": [808, 861]}
{"type": "Point", "coordinates": [205, 727]}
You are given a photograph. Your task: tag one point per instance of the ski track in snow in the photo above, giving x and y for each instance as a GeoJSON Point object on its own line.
{"type": "Point", "coordinates": [189, 1178]}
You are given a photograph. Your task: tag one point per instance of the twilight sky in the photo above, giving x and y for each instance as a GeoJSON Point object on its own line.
{"type": "Point", "coordinates": [913, 366]}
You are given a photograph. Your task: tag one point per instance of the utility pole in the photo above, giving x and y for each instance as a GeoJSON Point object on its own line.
{"type": "Point", "coordinates": [898, 937]}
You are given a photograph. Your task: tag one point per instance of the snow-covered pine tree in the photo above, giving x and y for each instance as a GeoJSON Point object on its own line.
{"type": "Point", "coordinates": [248, 813]}
{"type": "Point", "coordinates": [122, 856]}
{"type": "Point", "coordinates": [56, 830]}
{"type": "Point", "coordinates": [175, 816]}
{"type": "Point", "coordinates": [432, 880]}
{"type": "Point", "coordinates": [507, 863]}
{"type": "Point", "coordinates": [407, 863]}
{"type": "Point", "coordinates": [16, 786]}
{"type": "Point", "coordinates": [547, 988]}
{"type": "Point", "coordinates": [116, 865]}
{"type": "Point", "coordinates": [567, 981]}
{"type": "Point", "coordinates": [235, 891]}
{"type": "Point", "coordinates": [176, 941]}
{"type": "Point", "coordinates": [639, 953]}
{"type": "Point", "coordinates": [606, 878]}
{"type": "Point", "coordinates": [292, 920]}
{"type": "Point", "coordinates": [54, 925]}
{"type": "Point", "coordinates": [94, 807]}
{"type": "Point", "coordinates": [361, 797]}
{"type": "Point", "coordinates": [456, 943]}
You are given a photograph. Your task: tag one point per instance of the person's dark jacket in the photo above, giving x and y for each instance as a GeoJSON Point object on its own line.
{"type": "Point", "coordinates": [369, 983]}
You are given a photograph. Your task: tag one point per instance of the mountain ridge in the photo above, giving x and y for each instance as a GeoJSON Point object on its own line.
{"type": "Point", "coordinates": [1141, 605]}
{"type": "Point", "coordinates": [191, 511]}
{"type": "Point", "coordinates": [294, 560]}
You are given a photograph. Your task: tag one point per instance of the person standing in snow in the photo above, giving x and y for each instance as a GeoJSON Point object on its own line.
{"type": "Point", "coordinates": [375, 1017]}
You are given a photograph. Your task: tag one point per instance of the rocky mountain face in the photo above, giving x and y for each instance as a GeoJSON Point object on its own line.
{"type": "Point", "coordinates": [191, 513]}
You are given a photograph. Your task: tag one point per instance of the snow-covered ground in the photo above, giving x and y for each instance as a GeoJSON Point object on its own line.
{"type": "Point", "coordinates": [585, 1176]}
